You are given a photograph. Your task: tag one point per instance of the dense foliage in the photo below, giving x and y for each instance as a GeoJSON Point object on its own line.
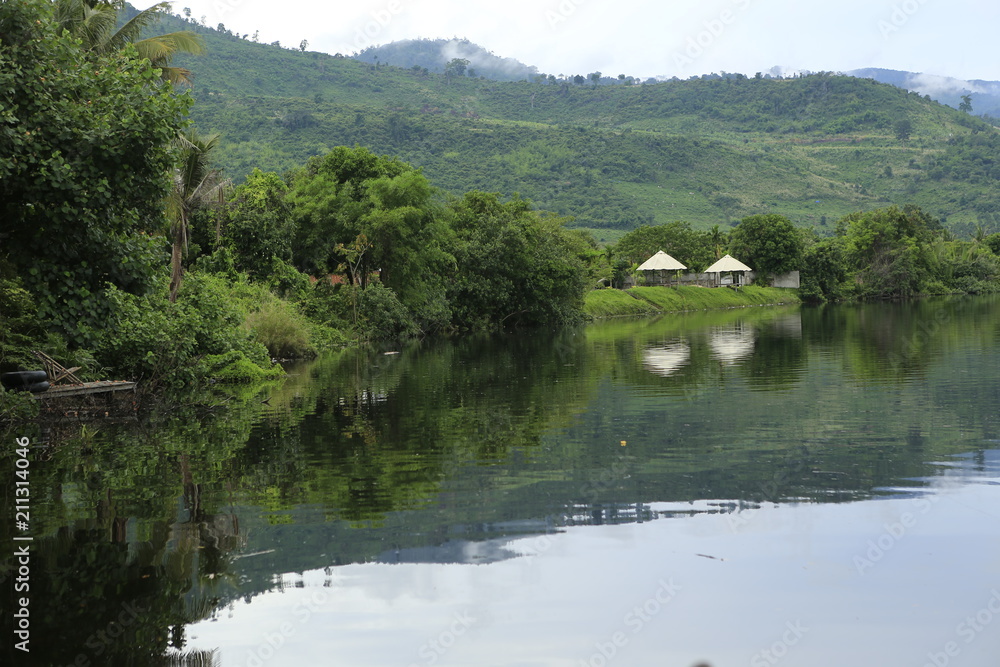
{"type": "Point", "coordinates": [85, 149]}
{"type": "Point", "coordinates": [769, 244]}
{"type": "Point", "coordinates": [896, 252]}
{"type": "Point", "coordinates": [514, 265]}
{"type": "Point", "coordinates": [87, 155]}
{"type": "Point", "coordinates": [403, 259]}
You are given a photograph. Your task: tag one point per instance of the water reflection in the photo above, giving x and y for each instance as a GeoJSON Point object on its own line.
{"type": "Point", "coordinates": [665, 360]}
{"type": "Point", "coordinates": [669, 445]}
{"type": "Point", "coordinates": [731, 344]}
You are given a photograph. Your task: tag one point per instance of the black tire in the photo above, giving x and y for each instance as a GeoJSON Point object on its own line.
{"type": "Point", "coordinates": [17, 379]}
{"type": "Point", "coordinates": [34, 387]}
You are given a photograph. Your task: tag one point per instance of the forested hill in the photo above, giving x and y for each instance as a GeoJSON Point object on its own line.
{"type": "Point", "coordinates": [707, 151]}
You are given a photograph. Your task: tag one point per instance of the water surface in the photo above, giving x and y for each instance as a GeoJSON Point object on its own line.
{"type": "Point", "coordinates": [814, 486]}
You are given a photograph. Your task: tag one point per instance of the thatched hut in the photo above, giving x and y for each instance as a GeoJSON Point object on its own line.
{"type": "Point", "coordinates": [734, 267]}
{"type": "Point", "coordinates": [659, 268]}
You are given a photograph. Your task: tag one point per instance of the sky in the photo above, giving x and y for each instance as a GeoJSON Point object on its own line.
{"type": "Point", "coordinates": [643, 38]}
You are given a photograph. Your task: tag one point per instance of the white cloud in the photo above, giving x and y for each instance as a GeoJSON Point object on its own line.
{"type": "Point", "coordinates": [940, 86]}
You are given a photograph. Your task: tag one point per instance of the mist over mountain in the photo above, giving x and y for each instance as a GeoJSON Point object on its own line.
{"type": "Point", "coordinates": [944, 89]}
{"type": "Point", "coordinates": [434, 54]}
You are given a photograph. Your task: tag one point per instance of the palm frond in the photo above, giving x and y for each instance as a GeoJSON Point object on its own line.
{"type": "Point", "coordinates": [161, 48]}
{"type": "Point", "coordinates": [91, 24]}
{"type": "Point", "coordinates": [132, 30]}
{"type": "Point", "coordinates": [176, 75]}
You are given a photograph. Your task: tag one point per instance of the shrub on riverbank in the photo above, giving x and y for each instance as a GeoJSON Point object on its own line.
{"type": "Point", "coordinates": [281, 328]}
{"type": "Point", "coordinates": [165, 343]}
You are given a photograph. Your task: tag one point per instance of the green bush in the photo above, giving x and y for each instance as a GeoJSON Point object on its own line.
{"type": "Point", "coordinates": [159, 342]}
{"type": "Point", "coordinates": [280, 327]}
{"type": "Point", "coordinates": [234, 366]}
{"type": "Point", "coordinates": [381, 315]}
{"type": "Point", "coordinates": [20, 330]}
{"type": "Point", "coordinates": [286, 281]}
{"type": "Point", "coordinates": [17, 406]}
{"type": "Point", "coordinates": [220, 262]}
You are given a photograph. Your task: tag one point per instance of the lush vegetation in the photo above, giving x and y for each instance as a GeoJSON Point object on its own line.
{"type": "Point", "coordinates": [710, 150]}
{"type": "Point", "coordinates": [127, 253]}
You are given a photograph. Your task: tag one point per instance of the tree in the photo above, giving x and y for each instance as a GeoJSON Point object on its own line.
{"type": "Point", "coordinates": [455, 68]}
{"type": "Point", "coordinates": [352, 193]}
{"type": "Point", "coordinates": [903, 129]}
{"type": "Point", "coordinates": [303, 45]}
{"type": "Point", "coordinates": [513, 265]}
{"type": "Point", "coordinates": [96, 23]}
{"type": "Point", "coordinates": [195, 185]}
{"type": "Point", "coordinates": [578, 79]}
{"type": "Point", "coordinates": [259, 227]}
{"type": "Point", "coordinates": [718, 239]}
{"type": "Point", "coordinates": [769, 244]}
{"type": "Point", "coordinates": [84, 167]}
{"type": "Point", "coordinates": [966, 104]}
{"type": "Point", "coordinates": [677, 239]}
{"type": "Point", "coordinates": [595, 77]}
{"type": "Point", "coordinates": [993, 243]}
{"type": "Point", "coordinates": [888, 249]}
{"type": "Point", "coordinates": [824, 270]}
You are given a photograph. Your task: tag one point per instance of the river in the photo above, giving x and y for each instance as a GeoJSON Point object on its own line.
{"type": "Point", "coordinates": [798, 486]}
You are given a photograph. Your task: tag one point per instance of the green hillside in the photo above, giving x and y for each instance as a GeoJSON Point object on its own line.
{"type": "Point", "coordinates": [708, 151]}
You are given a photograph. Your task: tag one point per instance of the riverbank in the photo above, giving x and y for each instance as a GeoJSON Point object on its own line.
{"type": "Point", "coordinates": [652, 300]}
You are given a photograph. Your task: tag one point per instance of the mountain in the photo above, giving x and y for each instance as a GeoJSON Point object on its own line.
{"type": "Point", "coordinates": [433, 54]}
{"type": "Point", "coordinates": [708, 151]}
{"type": "Point", "coordinates": [985, 95]}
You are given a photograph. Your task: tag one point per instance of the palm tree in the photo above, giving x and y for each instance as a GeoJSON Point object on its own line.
{"type": "Point", "coordinates": [196, 186]}
{"type": "Point", "coordinates": [95, 22]}
{"type": "Point", "coordinates": [717, 238]}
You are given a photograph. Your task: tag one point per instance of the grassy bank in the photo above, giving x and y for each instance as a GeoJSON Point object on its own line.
{"type": "Point", "coordinates": [645, 300]}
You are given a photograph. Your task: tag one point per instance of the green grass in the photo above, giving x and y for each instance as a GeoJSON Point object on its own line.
{"type": "Point", "coordinates": [648, 300]}
{"type": "Point", "coordinates": [614, 303]}
{"type": "Point", "coordinates": [702, 298]}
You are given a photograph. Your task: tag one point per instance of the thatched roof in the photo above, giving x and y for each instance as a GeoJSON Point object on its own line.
{"type": "Point", "coordinates": [727, 263]}
{"type": "Point", "coordinates": [661, 261]}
